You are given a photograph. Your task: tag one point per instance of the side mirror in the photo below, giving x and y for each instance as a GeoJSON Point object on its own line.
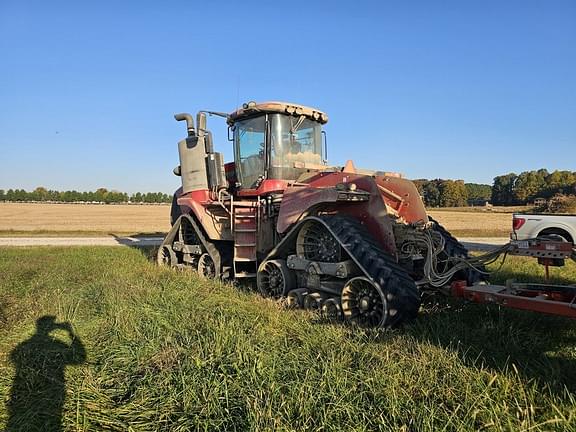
{"type": "Point", "coordinates": [177, 171]}
{"type": "Point", "coordinates": [230, 133]}
{"type": "Point", "coordinates": [325, 155]}
{"type": "Point", "coordinates": [201, 122]}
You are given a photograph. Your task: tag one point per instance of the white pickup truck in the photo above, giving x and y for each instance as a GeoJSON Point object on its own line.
{"type": "Point", "coordinates": [525, 226]}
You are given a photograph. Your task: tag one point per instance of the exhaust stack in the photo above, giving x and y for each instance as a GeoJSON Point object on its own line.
{"type": "Point", "coordinates": [189, 122]}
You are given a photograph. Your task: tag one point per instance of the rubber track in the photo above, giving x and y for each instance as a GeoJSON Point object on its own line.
{"type": "Point", "coordinates": [453, 248]}
{"type": "Point", "coordinates": [398, 287]}
{"type": "Point", "coordinates": [206, 245]}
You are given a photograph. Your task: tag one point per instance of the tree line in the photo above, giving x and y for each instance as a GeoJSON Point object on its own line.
{"type": "Point", "coordinates": [513, 189]}
{"type": "Point", "coordinates": [452, 193]}
{"type": "Point", "coordinates": [101, 195]}
{"type": "Point", "coordinates": [507, 189]}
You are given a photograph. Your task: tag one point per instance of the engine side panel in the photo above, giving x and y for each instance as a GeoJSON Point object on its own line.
{"type": "Point", "coordinates": [212, 217]}
{"type": "Point", "coordinates": [322, 195]}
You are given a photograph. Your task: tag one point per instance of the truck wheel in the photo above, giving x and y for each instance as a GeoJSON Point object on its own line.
{"type": "Point", "coordinates": [557, 232]}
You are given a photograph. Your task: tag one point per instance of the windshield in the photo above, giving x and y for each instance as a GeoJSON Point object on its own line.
{"type": "Point", "coordinates": [295, 145]}
{"type": "Point", "coordinates": [249, 139]}
{"type": "Point", "coordinates": [295, 141]}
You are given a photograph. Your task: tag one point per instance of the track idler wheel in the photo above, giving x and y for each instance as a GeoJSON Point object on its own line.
{"type": "Point", "coordinates": [166, 256]}
{"type": "Point", "coordinates": [275, 279]}
{"type": "Point", "coordinates": [331, 310]}
{"type": "Point", "coordinates": [363, 303]}
{"type": "Point", "coordinates": [295, 298]}
{"type": "Point", "coordinates": [206, 266]}
{"type": "Point", "coordinates": [313, 301]}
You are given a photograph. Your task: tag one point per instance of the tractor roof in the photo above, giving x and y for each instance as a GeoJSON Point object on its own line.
{"type": "Point", "coordinates": [251, 108]}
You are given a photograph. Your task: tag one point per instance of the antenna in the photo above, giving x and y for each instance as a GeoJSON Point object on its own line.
{"type": "Point", "coordinates": [237, 92]}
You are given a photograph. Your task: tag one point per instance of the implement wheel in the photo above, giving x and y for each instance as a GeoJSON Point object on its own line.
{"type": "Point", "coordinates": [275, 279]}
{"type": "Point", "coordinates": [363, 303]}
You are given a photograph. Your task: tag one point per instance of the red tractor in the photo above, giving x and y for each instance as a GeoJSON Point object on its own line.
{"type": "Point", "coordinates": [354, 243]}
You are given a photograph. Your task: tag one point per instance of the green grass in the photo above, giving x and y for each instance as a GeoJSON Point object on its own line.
{"type": "Point", "coordinates": [168, 351]}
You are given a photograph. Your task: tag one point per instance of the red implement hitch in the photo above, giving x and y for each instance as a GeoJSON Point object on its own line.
{"type": "Point", "coordinates": [545, 298]}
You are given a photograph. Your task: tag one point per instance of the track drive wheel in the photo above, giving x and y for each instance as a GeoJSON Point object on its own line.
{"type": "Point", "coordinates": [316, 243]}
{"type": "Point", "coordinates": [274, 279]}
{"type": "Point", "coordinates": [206, 266]}
{"type": "Point", "coordinates": [364, 304]}
{"type": "Point", "coordinates": [166, 256]}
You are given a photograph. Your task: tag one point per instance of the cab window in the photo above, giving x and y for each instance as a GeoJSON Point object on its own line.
{"type": "Point", "coordinates": [249, 139]}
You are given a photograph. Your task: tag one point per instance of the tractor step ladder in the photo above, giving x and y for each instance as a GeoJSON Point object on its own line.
{"type": "Point", "coordinates": [245, 226]}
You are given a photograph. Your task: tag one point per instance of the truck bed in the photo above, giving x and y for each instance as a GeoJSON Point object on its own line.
{"type": "Point", "coordinates": [530, 225]}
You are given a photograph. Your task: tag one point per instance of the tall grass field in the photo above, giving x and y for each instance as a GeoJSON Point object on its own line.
{"type": "Point", "coordinates": [102, 339]}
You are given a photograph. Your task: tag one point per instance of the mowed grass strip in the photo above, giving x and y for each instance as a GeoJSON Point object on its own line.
{"type": "Point", "coordinates": [169, 351]}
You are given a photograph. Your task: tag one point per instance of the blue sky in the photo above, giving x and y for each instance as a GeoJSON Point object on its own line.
{"type": "Point", "coordinates": [445, 89]}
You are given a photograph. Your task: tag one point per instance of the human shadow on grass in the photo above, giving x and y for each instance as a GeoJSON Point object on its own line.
{"type": "Point", "coordinates": [39, 388]}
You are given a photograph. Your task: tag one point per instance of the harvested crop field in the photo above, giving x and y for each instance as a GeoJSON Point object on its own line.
{"type": "Point", "coordinates": [93, 219]}
{"type": "Point", "coordinates": [474, 224]}
{"type": "Point", "coordinates": [82, 219]}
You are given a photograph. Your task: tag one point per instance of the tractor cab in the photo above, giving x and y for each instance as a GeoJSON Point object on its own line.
{"type": "Point", "coordinates": [276, 141]}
